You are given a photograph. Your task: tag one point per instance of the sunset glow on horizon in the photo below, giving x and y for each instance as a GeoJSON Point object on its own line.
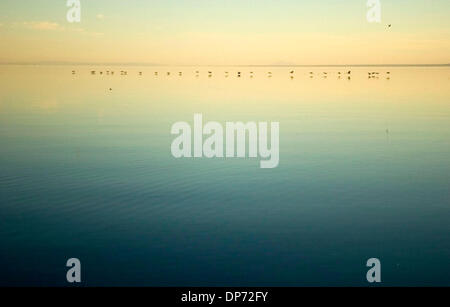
{"type": "Point", "coordinates": [226, 32]}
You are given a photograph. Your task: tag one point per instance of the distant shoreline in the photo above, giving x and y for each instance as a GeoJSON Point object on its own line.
{"type": "Point", "coordinates": [261, 65]}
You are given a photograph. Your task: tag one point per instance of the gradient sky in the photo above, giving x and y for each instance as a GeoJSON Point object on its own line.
{"type": "Point", "coordinates": [226, 32]}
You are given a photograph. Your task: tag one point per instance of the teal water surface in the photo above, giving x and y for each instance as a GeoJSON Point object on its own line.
{"type": "Point", "coordinates": [86, 171]}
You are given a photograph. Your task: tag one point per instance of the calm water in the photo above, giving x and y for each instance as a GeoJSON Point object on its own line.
{"type": "Point", "coordinates": [87, 172]}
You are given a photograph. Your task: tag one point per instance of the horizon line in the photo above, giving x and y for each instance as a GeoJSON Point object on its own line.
{"type": "Point", "coordinates": [65, 63]}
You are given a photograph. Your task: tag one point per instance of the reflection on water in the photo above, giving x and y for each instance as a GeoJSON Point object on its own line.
{"type": "Point", "coordinates": [86, 171]}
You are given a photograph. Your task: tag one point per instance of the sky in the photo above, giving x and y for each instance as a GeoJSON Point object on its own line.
{"type": "Point", "coordinates": [226, 32]}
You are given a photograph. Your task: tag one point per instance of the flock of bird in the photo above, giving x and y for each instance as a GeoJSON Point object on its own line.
{"type": "Point", "coordinates": [376, 75]}
{"type": "Point", "coordinates": [372, 75]}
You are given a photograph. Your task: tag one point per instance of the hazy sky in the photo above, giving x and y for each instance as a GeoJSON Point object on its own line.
{"type": "Point", "coordinates": [226, 32]}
